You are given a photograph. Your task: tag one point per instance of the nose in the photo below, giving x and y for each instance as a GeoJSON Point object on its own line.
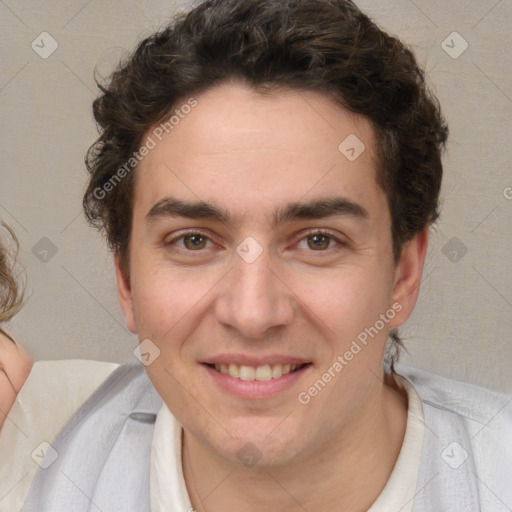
{"type": "Point", "coordinates": [254, 299]}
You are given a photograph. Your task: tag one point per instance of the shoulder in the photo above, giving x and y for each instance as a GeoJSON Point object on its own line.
{"type": "Point", "coordinates": [468, 401]}
{"type": "Point", "coordinates": [110, 430]}
{"type": "Point", "coordinates": [52, 393]}
{"type": "Point", "coordinates": [74, 380]}
{"type": "Point", "coordinates": [466, 459]}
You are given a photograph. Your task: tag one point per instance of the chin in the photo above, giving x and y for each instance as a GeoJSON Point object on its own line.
{"type": "Point", "coordinates": [260, 444]}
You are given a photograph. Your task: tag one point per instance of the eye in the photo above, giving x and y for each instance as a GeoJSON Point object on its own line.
{"type": "Point", "coordinates": [192, 241]}
{"type": "Point", "coordinates": [319, 241]}
{"type": "Point", "coordinates": [195, 241]}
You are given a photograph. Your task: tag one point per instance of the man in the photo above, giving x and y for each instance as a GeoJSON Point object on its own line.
{"type": "Point", "coordinates": [266, 175]}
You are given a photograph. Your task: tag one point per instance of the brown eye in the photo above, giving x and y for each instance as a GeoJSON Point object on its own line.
{"type": "Point", "coordinates": [318, 242]}
{"type": "Point", "coordinates": [195, 241]}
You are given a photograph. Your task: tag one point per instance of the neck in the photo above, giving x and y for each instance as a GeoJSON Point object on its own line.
{"type": "Point", "coordinates": [348, 473]}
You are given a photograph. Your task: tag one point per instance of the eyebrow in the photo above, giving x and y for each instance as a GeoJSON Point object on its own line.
{"type": "Point", "coordinates": [315, 209]}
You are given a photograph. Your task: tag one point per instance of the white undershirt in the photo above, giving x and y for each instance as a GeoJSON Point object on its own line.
{"type": "Point", "coordinates": [400, 489]}
{"type": "Point", "coordinates": [169, 492]}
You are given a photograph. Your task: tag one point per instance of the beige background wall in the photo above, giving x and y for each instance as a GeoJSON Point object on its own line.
{"type": "Point", "coordinates": [461, 326]}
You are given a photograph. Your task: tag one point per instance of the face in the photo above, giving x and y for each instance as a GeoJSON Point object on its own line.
{"type": "Point", "coordinates": [259, 247]}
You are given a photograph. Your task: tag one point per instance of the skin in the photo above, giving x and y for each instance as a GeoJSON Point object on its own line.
{"type": "Point", "coordinates": [15, 366]}
{"type": "Point", "coordinates": [248, 154]}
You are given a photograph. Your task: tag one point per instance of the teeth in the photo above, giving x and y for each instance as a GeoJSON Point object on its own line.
{"type": "Point", "coordinates": [264, 372]}
{"type": "Point", "coordinates": [261, 373]}
{"type": "Point", "coordinates": [247, 373]}
{"type": "Point", "coordinates": [234, 370]}
{"type": "Point", "coordinates": [277, 371]}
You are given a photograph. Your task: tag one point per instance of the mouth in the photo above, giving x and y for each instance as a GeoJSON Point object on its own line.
{"type": "Point", "coordinates": [260, 382]}
{"type": "Point", "coordinates": [260, 373]}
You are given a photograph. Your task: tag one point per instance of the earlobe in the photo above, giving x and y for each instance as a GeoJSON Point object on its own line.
{"type": "Point", "coordinates": [408, 276]}
{"type": "Point", "coordinates": [124, 295]}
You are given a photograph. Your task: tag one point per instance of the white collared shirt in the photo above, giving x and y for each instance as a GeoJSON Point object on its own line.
{"type": "Point", "coordinates": [169, 492]}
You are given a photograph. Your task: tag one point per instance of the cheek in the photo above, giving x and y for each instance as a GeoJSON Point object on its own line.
{"type": "Point", "coordinates": [7, 396]}
{"type": "Point", "coordinates": [344, 301]}
{"type": "Point", "coordinates": [165, 299]}
{"type": "Point", "coordinates": [16, 363]}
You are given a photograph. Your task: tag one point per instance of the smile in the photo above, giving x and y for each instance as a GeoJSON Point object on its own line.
{"type": "Point", "coordinates": [253, 378]}
{"type": "Point", "coordinates": [261, 373]}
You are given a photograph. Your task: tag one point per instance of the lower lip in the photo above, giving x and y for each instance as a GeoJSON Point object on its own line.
{"type": "Point", "coordinates": [256, 389]}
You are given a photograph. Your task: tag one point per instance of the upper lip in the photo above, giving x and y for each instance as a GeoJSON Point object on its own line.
{"type": "Point", "coordinates": [246, 360]}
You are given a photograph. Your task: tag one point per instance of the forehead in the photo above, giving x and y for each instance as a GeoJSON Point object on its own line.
{"type": "Point", "coordinates": [246, 151]}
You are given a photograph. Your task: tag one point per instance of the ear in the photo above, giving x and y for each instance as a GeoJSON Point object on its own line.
{"type": "Point", "coordinates": [124, 295]}
{"type": "Point", "coordinates": [408, 274]}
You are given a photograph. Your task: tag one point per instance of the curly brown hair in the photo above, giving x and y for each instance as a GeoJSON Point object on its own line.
{"type": "Point", "coordinates": [11, 294]}
{"type": "Point", "coordinates": [327, 46]}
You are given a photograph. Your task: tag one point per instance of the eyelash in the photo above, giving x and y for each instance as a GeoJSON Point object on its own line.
{"type": "Point", "coordinates": [323, 232]}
